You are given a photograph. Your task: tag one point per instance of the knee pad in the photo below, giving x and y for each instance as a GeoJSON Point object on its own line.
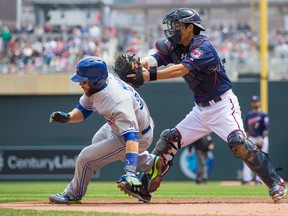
{"type": "Point", "coordinates": [169, 138]}
{"type": "Point", "coordinates": [235, 139]}
{"type": "Point", "coordinates": [239, 145]}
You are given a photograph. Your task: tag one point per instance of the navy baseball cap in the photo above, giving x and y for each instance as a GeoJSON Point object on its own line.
{"type": "Point", "coordinates": [255, 98]}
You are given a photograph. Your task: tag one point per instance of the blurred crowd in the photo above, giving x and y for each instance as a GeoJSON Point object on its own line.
{"type": "Point", "coordinates": [58, 48]}
{"type": "Point", "coordinates": [52, 49]}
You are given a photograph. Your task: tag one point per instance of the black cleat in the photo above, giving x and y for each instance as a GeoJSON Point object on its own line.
{"type": "Point", "coordinates": [138, 191]}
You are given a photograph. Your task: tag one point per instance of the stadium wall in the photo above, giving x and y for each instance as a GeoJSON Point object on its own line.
{"type": "Point", "coordinates": [27, 136]}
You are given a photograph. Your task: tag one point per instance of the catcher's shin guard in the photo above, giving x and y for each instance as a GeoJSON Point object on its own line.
{"type": "Point", "coordinates": [255, 159]}
{"type": "Point", "coordinates": [165, 149]}
{"type": "Point", "coordinates": [167, 146]}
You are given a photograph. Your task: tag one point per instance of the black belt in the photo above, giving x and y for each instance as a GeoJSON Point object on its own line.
{"type": "Point", "coordinates": [208, 103]}
{"type": "Point", "coordinates": [146, 130]}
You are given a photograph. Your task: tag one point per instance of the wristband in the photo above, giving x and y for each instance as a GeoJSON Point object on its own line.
{"type": "Point", "coordinates": [84, 111]}
{"type": "Point", "coordinates": [131, 161]}
{"type": "Point", "coordinates": [153, 73]}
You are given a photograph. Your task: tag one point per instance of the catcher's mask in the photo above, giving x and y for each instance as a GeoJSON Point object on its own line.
{"type": "Point", "coordinates": [174, 20]}
{"type": "Point", "coordinates": [93, 69]}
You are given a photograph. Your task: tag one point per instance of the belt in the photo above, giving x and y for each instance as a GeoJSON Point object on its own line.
{"type": "Point", "coordinates": [146, 130]}
{"type": "Point", "coordinates": [208, 103]}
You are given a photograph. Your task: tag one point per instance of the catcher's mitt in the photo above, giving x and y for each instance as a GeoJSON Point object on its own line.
{"type": "Point", "coordinates": [126, 64]}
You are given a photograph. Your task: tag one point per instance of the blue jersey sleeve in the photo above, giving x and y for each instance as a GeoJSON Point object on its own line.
{"type": "Point", "coordinates": [162, 59]}
{"type": "Point", "coordinates": [84, 111]}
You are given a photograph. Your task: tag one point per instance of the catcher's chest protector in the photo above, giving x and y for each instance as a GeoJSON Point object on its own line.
{"type": "Point", "coordinates": [200, 81]}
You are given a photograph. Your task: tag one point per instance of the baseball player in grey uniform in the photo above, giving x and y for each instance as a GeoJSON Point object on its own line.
{"type": "Point", "coordinates": [126, 135]}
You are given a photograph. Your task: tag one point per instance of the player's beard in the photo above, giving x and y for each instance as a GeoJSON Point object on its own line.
{"type": "Point", "coordinates": [90, 91]}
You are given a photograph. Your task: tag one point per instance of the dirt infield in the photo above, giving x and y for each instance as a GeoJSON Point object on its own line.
{"type": "Point", "coordinates": [213, 206]}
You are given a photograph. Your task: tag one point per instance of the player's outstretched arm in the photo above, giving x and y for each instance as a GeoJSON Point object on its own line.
{"type": "Point", "coordinates": [144, 63]}
{"type": "Point", "coordinates": [173, 71]}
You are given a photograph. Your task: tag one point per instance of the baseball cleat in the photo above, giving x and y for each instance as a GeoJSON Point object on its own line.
{"type": "Point", "coordinates": [63, 198]}
{"type": "Point", "coordinates": [278, 191]}
{"type": "Point", "coordinates": [155, 174]}
{"type": "Point", "coordinates": [136, 191]}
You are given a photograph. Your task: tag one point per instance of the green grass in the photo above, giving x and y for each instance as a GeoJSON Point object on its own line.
{"type": "Point", "coordinates": [40, 191]}
{"type": "Point", "coordinates": [12, 212]}
{"type": "Point", "coordinates": [29, 191]}
{"type": "Point", "coordinates": [212, 190]}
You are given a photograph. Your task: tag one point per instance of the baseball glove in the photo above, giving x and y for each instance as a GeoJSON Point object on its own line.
{"type": "Point", "coordinates": [126, 64]}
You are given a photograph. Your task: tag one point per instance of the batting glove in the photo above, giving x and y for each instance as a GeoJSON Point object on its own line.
{"type": "Point", "coordinates": [59, 116]}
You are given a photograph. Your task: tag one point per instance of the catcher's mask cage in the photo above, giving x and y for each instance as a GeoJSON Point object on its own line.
{"type": "Point", "coordinates": [92, 69]}
{"type": "Point", "coordinates": [174, 19]}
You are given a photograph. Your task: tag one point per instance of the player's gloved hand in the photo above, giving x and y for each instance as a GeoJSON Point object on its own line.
{"type": "Point", "coordinates": [59, 116]}
{"type": "Point", "coordinates": [125, 65]}
{"type": "Point", "coordinates": [131, 177]}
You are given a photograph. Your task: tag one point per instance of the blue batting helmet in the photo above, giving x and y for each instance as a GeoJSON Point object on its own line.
{"type": "Point", "coordinates": [93, 69]}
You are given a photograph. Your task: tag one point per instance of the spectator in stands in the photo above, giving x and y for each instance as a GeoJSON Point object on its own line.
{"type": "Point", "coordinates": [71, 43]}
{"type": "Point", "coordinates": [6, 36]}
{"type": "Point", "coordinates": [281, 48]}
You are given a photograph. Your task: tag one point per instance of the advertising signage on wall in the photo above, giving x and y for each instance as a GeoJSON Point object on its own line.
{"type": "Point", "coordinates": [37, 163]}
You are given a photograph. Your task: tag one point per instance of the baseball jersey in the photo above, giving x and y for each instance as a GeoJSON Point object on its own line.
{"type": "Point", "coordinates": [122, 107]}
{"type": "Point", "coordinates": [256, 123]}
{"type": "Point", "coordinates": [207, 77]}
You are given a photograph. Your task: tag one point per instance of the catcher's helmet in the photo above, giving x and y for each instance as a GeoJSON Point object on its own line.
{"type": "Point", "coordinates": [181, 15]}
{"type": "Point", "coordinates": [93, 69]}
